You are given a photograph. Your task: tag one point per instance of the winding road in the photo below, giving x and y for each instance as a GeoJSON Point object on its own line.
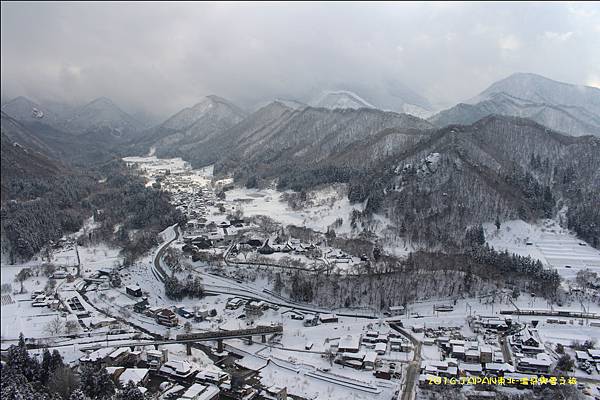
{"type": "Point", "coordinates": [171, 234]}
{"type": "Point", "coordinates": [412, 371]}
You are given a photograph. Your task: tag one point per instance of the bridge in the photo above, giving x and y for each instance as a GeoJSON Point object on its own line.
{"type": "Point", "coordinates": [190, 338]}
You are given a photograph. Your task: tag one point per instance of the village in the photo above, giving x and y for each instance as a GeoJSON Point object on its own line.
{"type": "Point", "coordinates": [240, 339]}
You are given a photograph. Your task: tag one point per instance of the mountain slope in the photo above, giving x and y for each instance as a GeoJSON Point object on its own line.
{"type": "Point", "coordinates": [23, 155]}
{"type": "Point", "coordinates": [15, 132]}
{"type": "Point", "coordinates": [563, 107]}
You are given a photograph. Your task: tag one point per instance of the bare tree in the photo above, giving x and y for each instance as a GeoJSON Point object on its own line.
{"type": "Point", "coordinates": [55, 326]}
{"type": "Point", "coordinates": [22, 276]}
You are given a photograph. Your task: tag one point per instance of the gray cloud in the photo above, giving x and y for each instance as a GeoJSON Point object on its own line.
{"type": "Point", "coordinates": [160, 57]}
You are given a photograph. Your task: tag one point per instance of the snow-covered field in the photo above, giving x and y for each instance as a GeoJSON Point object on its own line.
{"type": "Point", "coordinates": [151, 166]}
{"type": "Point", "coordinates": [548, 242]}
{"type": "Point", "coordinates": [329, 205]}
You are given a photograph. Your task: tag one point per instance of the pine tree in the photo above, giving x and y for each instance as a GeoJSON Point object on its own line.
{"type": "Point", "coordinates": [95, 382]}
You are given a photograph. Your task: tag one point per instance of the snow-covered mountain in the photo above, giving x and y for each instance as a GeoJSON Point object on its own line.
{"type": "Point", "coordinates": [102, 116]}
{"type": "Point", "coordinates": [416, 110]}
{"type": "Point", "coordinates": [215, 106]}
{"type": "Point", "coordinates": [99, 117]}
{"type": "Point", "coordinates": [571, 109]}
{"type": "Point", "coordinates": [340, 99]}
{"type": "Point", "coordinates": [538, 89]}
{"type": "Point", "coordinates": [404, 101]}
{"type": "Point", "coordinates": [193, 125]}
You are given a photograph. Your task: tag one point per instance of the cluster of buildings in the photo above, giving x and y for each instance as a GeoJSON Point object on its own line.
{"type": "Point", "coordinates": [365, 351]}
{"type": "Point", "coordinates": [588, 360]}
{"type": "Point", "coordinates": [169, 316]}
{"type": "Point", "coordinates": [529, 353]}
{"type": "Point", "coordinates": [154, 371]}
{"type": "Point", "coordinates": [521, 354]}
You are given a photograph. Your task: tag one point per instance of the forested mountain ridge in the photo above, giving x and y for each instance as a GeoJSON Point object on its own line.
{"type": "Point", "coordinates": [499, 167]}
{"type": "Point", "coordinates": [302, 139]}
{"type": "Point", "coordinates": [275, 137]}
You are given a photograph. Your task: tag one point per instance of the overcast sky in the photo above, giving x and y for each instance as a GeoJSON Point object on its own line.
{"type": "Point", "coordinates": [161, 57]}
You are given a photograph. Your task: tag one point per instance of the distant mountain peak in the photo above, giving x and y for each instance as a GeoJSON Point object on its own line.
{"type": "Point", "coordinates": [344, 99]}
{"type": "Point", "coordinates": [567, 108]}
{"type": "Point", "coordinates": [540, 89]}
{"type": "Point", "coordinates": [214, 105]}
{"type": "Point", "coordinates": [23, 109]}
